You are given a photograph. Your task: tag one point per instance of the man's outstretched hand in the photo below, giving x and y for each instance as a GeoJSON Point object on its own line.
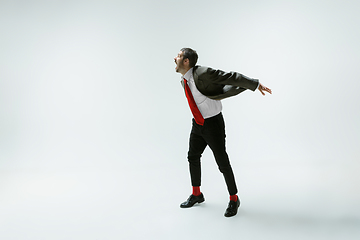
{"type": "Point", "coordinates": [264, 89]}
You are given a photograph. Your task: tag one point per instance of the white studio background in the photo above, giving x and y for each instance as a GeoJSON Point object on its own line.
{"type": "Point", "coordinates": [94, 124]}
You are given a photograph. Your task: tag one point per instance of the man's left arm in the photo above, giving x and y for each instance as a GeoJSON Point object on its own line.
{"type": "Point", "coordinates": [228, 78]}
{"type": "Point", "coordinates": [238, 79]}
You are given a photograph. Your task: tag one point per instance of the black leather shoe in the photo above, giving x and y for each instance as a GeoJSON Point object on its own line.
{"type": "Point", "coordinates": [232, 208]}
{"type": "Point", "coordinates": [192, 200]}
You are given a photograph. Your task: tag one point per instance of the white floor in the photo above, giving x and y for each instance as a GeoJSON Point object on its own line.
{"type": "Point", "coordinates": [136, 203]}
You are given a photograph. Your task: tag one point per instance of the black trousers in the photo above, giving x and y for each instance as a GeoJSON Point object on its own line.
{"type": "Point", "coordinates": [211, 134]}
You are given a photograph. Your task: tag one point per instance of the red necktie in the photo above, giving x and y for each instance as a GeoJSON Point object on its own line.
{"type": "Point", "coordinates": [194, 109]}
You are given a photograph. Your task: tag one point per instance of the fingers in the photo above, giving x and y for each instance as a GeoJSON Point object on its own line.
{"type": "Point", "coordinates": [262, 88]}
{"type": "Point", "coordinates": [268, 90]}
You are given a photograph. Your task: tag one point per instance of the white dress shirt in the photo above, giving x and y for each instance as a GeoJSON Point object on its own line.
{"type": "Point", "coordinates": [207, 106]}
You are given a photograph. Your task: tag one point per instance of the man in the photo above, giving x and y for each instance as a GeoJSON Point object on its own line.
{"type": "Point", "coordinates": [204, 88]}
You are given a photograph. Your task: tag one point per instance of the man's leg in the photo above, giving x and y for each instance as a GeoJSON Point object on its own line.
{"type": "Point", "coordinates": [215, 137]}
{"type": "Point", "coordinates": [197, 146]}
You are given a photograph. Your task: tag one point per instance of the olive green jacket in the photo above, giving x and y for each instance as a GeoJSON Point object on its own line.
{"type": "Point", "coordinates": [217, 84]}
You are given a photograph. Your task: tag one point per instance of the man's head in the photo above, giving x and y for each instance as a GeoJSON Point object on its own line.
{"type": "Point", "coordinates": [185, 60]}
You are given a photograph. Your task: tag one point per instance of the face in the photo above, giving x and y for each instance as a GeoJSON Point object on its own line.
{"type": "Point", "coordinates": [179, 61]}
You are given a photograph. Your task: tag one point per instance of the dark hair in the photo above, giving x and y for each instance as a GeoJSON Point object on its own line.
{"type": "Point", "coordinates": [191, 55]}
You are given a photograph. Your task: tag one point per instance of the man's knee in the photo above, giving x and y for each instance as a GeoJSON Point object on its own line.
{"type": "Point", "coordinates": [194, 158]}
{"type": "Point", "coordinates": [225, 169]}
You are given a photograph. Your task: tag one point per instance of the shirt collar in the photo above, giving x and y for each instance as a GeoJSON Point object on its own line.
{"type": "Point", "coordinates": [188, 74]}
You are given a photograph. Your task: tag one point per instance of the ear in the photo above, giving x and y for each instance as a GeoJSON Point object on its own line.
{"type": "Point", "coordinates": [186, 62]}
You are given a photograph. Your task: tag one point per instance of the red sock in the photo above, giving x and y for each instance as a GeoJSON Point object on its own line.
{"type": "Point", "coordinates": [196, 191]}
{"type": "Point", "coordinates": [233, 198]}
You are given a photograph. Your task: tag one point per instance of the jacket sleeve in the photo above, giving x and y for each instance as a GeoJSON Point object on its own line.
{"type": "Point", "coordinates": [230, 78]}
